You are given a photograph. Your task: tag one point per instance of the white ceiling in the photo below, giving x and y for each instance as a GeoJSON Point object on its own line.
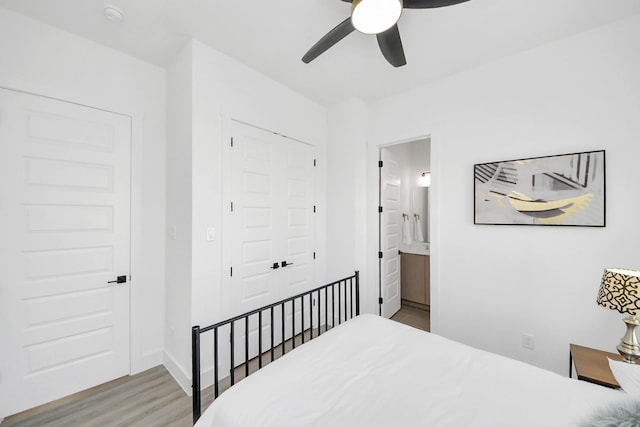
{"type": "Point", "coordinates": [272, 35]}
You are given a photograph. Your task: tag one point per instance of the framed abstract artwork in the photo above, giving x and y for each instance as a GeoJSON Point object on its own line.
{"type": "Point", "coordinates": [566, 189]}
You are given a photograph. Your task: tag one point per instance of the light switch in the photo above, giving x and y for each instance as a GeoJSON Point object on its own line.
{"type": "Point", "coordinates": [211, 233]}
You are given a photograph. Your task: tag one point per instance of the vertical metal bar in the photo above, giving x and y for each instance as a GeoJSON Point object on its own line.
{"type": "Point", "coordinates": [357, 293]}
{"type": "Point", "coordinates": [272, 326]}
{"type": "Point", "coordinates": [326, 308]}
{"type": "Point", "coordinates": [246, 346]}
{"type": "Point", "coordinates": [215, 363]}
{"type": "Point", "coordinates": [339, 304]}
{"type": "Point", "coordinates": [232, 363]}
{"type": "Point", "coordinates": [293, 322]}
{"type": "Point", "coordinates": [333, 306]}
{"type": "Point", "coordinates": [283, 329]}
{"type": "Point", "coordinates": [319, 320]}
{"type": "Point", "coordinates": [260, 339]}
{"type": "Point", "coordinates": [342, 287]}
{"type": "Point", "coordinates": [310, 316]}
{"type": "Point", "coordinates": [195, 371]}
{"type": "Point", "coordinates": [302, 316]}
{"type": "Point", "coordinates": [351, 297]}
{"type": "Point", "coordinates": [346, 301]}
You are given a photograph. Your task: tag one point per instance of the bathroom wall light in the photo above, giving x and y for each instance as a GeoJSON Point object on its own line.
{"type": "Point", "coordinates": [425, 179]}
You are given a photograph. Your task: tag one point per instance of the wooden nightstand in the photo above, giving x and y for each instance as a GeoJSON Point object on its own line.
{"type": "Point", "coordinates": [592, 365]}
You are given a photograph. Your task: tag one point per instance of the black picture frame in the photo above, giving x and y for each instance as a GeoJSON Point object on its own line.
{"type": "Point", "coordinates": [559, 190]}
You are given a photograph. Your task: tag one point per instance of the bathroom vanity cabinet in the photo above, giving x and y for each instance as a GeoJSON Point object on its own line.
{"type": "Point", "coordinates": [414, 279]}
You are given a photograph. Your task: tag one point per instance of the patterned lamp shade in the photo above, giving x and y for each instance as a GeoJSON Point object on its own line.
{"type": "Point", "coordinates": [620, 290]}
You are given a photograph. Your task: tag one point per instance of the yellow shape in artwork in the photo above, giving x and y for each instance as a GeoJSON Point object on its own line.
{"type": "Point", "coordinates": [565, 207]}
{"type": "Point", "coordinates": [580, 202]}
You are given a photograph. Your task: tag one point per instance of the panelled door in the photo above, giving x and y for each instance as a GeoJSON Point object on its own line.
{"type": "Point", "coordinates": [390, 233]}
{"type": "Point", "coordinates": [273, 226]}
{"type": "Point", "coordinates": [65, 225]}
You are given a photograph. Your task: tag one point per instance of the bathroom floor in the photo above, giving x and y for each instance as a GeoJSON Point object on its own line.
{"type": "Point", "coordinates": [412, 316]}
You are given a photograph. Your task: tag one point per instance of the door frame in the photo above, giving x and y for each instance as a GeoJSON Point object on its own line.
{"type": "Point", "coordinates": [373, 221]}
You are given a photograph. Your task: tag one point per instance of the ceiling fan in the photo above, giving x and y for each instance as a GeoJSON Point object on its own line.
{"type": "Point", "coordinates": [377, 17]}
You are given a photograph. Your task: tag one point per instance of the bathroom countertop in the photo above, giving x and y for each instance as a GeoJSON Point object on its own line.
{"type": "Point", "coordinates": [416, 249]}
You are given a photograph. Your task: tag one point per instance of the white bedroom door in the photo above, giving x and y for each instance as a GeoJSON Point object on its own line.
{"type": "Point", "coordinates": [65, 225]}
{"type": "Point", "coordinates": [272, 222]}
{"type": "Point", "coordinates": [390, 233]}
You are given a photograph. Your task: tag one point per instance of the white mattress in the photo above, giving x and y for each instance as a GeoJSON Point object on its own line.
{"type": "Point", "coordinates": [375, 372]}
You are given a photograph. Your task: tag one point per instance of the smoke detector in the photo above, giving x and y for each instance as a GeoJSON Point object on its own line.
{"type": "Point", "coordinates": [113, 14]}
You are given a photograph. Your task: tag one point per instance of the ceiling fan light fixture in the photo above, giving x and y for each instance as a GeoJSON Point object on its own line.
{"type": "Point", "coordinates": [375, 16]}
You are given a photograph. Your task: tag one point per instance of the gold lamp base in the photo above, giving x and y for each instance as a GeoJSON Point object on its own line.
{"type": "Point", "coordinates": [629, 347]}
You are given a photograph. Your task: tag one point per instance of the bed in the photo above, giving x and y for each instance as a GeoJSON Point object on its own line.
{"type": "Point", "coordinates": [371, 371]}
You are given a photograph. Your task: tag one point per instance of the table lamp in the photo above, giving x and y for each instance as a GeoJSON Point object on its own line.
{"type": "Point", "coordinates": [620, 290]}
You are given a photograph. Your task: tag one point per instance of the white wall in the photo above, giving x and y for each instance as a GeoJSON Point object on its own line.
{"type": "Point", "coordinates": [491, 284]}
{"type": "Point", "coordinates": [221, 89]}
{"type": "Point", "coordinates": [179, 213]}
{"type": "Point", "coordinates": [346, 208]}
{"type": "Point", "coordinates": [40, 59]}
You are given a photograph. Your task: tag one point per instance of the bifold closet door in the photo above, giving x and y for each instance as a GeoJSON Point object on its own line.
{"type": "Point", "coordinates": [65, 226]}
{"type": "Point", "coordinates": [272, 225]}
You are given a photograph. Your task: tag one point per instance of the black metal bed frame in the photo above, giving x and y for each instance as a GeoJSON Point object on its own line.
{"type": "Point", "coordinates": [345, 306]}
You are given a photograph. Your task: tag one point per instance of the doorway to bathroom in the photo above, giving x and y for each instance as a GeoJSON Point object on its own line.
{"type": "Point", "coordinates": [404, 232]}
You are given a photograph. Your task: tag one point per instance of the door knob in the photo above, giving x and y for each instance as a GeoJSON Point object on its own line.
{"type": "Point", "coordinates": [120, 279]}
{"type": "Point", "coordinates": [285, 263]}
{"type": "Point", "coordinates": [274, 266]}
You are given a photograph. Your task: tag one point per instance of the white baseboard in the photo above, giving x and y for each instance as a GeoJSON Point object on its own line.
{"type": "Point", "coordinates": [147, 361]}
{"type": "Point", "coordinates": [182, 377]}
{"type": "Point", "coordinates": [206, 378]}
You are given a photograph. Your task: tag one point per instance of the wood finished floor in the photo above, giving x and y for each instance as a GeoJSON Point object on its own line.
{"type": "Point", "coordinates": [149, 399]}
{"type": "Point", "coordinates": [416, 317]}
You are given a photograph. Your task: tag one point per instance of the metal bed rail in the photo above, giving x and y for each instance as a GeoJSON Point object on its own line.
{"type": "Point", "coordinates": [339, 301]}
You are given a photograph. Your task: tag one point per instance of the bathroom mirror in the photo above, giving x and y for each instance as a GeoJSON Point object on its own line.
{"type": "Point", "coordinates": [421, 207]}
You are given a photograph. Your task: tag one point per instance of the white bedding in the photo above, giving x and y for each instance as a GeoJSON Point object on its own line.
{"type": "Point", "coordinates": [372, 371]}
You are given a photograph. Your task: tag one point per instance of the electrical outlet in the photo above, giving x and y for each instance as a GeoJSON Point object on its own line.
{"type": "Point", "coordinates": [528, 341]}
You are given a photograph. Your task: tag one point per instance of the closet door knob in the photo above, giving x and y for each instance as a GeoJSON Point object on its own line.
{"type": "Point", "coordinates": [285, 263]}
{"type": "Point", "coordinates": [274, 266]}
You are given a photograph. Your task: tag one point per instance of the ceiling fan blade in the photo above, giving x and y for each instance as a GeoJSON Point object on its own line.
{"type": "Point", "coordinates": [391, 46]}
{"type": "Point", "coordinates": [428, 4]}
{"type": "Point", "coordinates": [340, 31]}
